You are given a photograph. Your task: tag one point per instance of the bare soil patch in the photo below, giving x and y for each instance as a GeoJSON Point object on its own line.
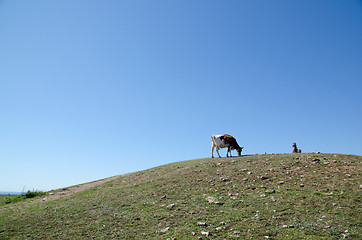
{"type": "Point", "coordinates": [65, 192]}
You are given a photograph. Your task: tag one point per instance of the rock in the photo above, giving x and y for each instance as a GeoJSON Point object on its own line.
{"type": "Point", "coordinates": [245, 179]}
{"type": "Point", "coordinates": [202, 224]}
{"type": "Point", "coordinates": [206, 233]}
{"type": "Point", "coordinates": [301, 185]}
{"type": "Point", "coordinates": [263, 195]}
{"type": "Point", "coordinates": [264, 178]}
{"type": "Point", "coordinates": [285, 226]}
{"type": "Point", "coordinates": [164, 230]}
{"type": "Point", "coordinates": [224, 179]}
{"type": "Point", "coordinates": [171, 206]}
{"type": "Point", "coordinates": [222, 223]}
{"type": "Point", "coordinates": [213, 200]}
{"type": "Point", "coordinates": [281, 182]}
{"type": "Point", "coordinates": [270, 191]}
{"type": "Point", "coordinates": [273, 199]}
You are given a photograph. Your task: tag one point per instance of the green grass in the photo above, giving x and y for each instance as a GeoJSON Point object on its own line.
{"type": "Point", "coordinates": [286, 196]}
{"type": "Point", "coordinates": [7, 199]}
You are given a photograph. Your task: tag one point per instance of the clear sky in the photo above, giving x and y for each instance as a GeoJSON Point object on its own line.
{"type": "Point", "coordinates": [93, 89]}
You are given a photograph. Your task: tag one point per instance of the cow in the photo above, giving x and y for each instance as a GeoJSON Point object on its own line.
{"type": "Point", "coordinates": [224, 141]}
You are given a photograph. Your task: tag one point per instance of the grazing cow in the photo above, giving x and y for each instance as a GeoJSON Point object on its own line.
{"type": "Point", "coordinates": [225, 141]}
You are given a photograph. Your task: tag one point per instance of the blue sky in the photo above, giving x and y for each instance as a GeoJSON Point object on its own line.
{"type": "Point", "coordinates": [92, 89]}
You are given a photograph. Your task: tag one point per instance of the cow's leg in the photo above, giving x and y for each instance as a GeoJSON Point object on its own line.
{"type": "Point", "coordinates": [212, 150]}
{"type": "Point", "coordinates": [217, 150]}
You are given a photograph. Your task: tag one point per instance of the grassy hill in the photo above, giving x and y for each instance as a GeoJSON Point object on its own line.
{"type": "Point", "coordinates": [282, 196]}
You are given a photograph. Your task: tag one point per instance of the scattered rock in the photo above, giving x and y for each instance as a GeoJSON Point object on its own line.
{"type": "Point", "coordinates": [270, 191]}
{"type": "Point", "coordinates": [286, 226]}
{"type": "Point", "coordinates": [206, 233]}
{"type": "Point", "coordinates": [224, 179]}
{"type": "Point", "coordinates": [171, 206]}
{"type": "Point", "coordinates": [164, 230]}
{"type": "Point", "coordinates": [213, 200]}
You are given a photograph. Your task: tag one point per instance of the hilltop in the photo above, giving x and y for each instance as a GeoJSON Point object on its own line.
{"type": "Point", "coordinates": [274, 196]}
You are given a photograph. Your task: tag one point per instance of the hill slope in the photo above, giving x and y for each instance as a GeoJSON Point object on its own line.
{"type": "Point", "coordinates": [286, 196]}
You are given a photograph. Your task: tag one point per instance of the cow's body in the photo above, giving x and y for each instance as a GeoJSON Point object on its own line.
{"type": "Point", "coordinates": [224, 141]}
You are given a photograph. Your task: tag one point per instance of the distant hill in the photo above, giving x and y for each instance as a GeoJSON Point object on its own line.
{"type": "Point", "coordinates": [281, 196]}
{"type": "Point", "coordinates": [10, 193]}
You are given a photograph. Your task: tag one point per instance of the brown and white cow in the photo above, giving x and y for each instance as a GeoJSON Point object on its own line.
{"type": "Point", "coordinates": [224, 141]}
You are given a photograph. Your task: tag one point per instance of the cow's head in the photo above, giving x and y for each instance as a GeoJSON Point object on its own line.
{"type": "Point", "coordinates": [239, 150]}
